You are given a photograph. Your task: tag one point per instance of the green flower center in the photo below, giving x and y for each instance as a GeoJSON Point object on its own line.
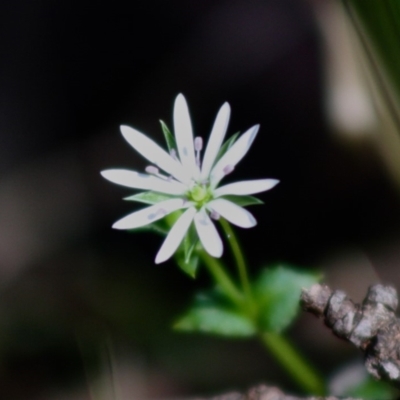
{"type": "Point", "coordinates": [200, 194]}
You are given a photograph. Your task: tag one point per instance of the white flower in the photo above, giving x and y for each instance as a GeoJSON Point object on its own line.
{"type": "Point", "coordinates": [190, 185]}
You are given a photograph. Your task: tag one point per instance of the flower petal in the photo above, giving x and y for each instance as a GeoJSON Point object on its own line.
{"type": "Point", "coordinates": [175, 236]}
{"type": "Point", "coordinates": [233, 155]}
{"type": "Point", "coordinates": [233, 213]}
{"type": "Point", "coordinates": [137, 180]}
{"type": "Point", "coordinates": [246, 187]}
{"type": "Point", "coordinates": [208, 234]}
{"type": "Point", "coordinates": [184, 135]}
{"type": "Point", "coordinates": [150, 214]}
{"type": "Point", "coordinates": [216, 138]}
{"type": "Point", "coordinates": [154, 153]}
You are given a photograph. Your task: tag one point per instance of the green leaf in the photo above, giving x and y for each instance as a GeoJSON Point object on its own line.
{"type": "Point", "coordinates": [149, 197]}
{"type": "Point", "coordinates": [377, 23]}
{"type": "Point", "coordinates": [217, 321]}
{"type": "Point", "coordinates": [371, 389]}
{"type": "Point", "coordinates": [226, 146]}
{"type": "Point", "coordinates": [277, 292]}
{"type": "Point", "coordinates": [243, 200]}
{"type": "Point", "coordinates": [214, 313]}
{"type": "Point", "coordinates": [169, 137]}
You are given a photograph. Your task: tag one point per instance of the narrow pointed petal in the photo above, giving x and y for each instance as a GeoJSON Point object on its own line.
{"type": "Point", "coordinates": [246, 187]}
{"type": "Point", "coordinates": [184, 135]}
{"type": "Point", "coordinates": [154, 153]}
{"type": "Point", "coordinates": [175, 236]}
{"type": "Point", "coordinates": [136, 180]}
{"type": "Point", "coordinates": [208, 234]}
{"type": "Point", "coordinates": [216, 138]}
{"type": "Point", "coordinates": [233, 155]}
{"type": "Point", "coordinates": [150, 214]}
{"type": "Point", "coordinates": [233, 213]}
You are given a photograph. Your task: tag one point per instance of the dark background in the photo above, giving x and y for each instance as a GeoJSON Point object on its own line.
{"type": "Point", "coordinates": [75, 294]}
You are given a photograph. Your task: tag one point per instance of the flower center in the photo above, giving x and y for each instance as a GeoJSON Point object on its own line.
{"type": "Point", "coordinates": [200, 194]}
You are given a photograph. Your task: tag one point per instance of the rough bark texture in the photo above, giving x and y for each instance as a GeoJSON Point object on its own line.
{"type": "Point", "coordinates": [263, 392]}
{"type": "Point", "coordinates": [371, 326]}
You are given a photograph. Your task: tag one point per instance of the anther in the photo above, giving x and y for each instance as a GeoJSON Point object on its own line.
{"type": "Point", "coordinates": [214, 215]}
{"type": "Point", "coordinates": [198, 146]}
{"type": "Point", "coordinates": [198, 143]}
{"type": "Point", "coordinates": [228, 169]}
{"type": "Point", "coordinates": [151, 169]}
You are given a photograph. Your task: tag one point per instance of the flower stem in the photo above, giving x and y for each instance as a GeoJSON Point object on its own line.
{"type": "Point", "coordinates": [293, 363]}
{"type": "Point", "coordinates": [238, 255]}
{"type": "Point", "coordinates": [217, 271]}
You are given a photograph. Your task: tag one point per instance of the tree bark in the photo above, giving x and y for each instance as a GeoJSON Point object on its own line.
{"type": "Point", "coordinates": [371, 326]}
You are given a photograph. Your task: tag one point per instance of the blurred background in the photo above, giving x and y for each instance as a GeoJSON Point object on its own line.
{"type": "Point", "coordinates": [84, 311]}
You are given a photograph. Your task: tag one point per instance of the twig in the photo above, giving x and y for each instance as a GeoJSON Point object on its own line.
{"type": "Point", "coordinates": [263, 392]}
{"type": "Point", "coordinates": [371, 326]}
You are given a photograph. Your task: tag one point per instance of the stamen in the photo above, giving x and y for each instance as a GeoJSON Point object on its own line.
{"type": "Point", "coordinates": [214, 215]}
{"type": "Point", "coordinates": [198, 146]}
{"type": "Point", "coordinates": [228, 169]}
{"type": "Point", "coordinates": [198, 143]}
{"type": "Point", "coordinates": [151, 169]}
{"type": "Point", "coordinates": [172, 153]}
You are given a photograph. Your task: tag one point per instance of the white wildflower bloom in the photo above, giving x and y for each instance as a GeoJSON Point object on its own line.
{"type": "Point", "coordinates": [189, 184]}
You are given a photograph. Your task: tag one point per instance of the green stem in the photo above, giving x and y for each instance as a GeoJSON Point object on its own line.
{"type": "Point", "coordinates": [293, 363]}
{"type": "Point", "coordinates": [238, 255]}
{"type": "Point", "coordinates": [278, 346]}
{"type": "Point", "coordinates": [220, 277]}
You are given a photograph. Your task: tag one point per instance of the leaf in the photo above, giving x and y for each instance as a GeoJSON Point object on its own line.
{"type": "Point", "coordinates": [371, 389]}
{"type": "Point", "coordinates": [244, 200]}
{"type": "Point", "coordinates": [277, 292]}
{"type": "Point", "coordinates": [169, 137]}
{"type": "Point", "coordinates": [149, 197]}
{"type": "Point", "coordinates": [214, 313]}
{"type": "Point", "coordinates": [217, 321]}
{"type": "Point", "coordinates": [226, 146]}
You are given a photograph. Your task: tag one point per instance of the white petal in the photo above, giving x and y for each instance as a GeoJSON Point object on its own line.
{"type": "Point", "coordinates": [233, 213]}
{"type": "Point", "coordinates": [246, 187]}
{"type": "Point", "coordinates": [175, 236]}
{"type": "Point", "coordinates": [234, 154]}
{"type": "Point", "coordinates": [150, 214]}
{"type": "Point", "coordinates": [208, 234]}
{"type": "Point", "coordinates": [137, 180]}
{"type": "Point", "coordinates": [154, 153]}
{"type": "Point", "coordinates": [184, 135]}
{"type": "Point", "coordinates": [216, 138]}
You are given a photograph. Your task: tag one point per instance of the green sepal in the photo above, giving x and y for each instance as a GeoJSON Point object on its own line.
{"type": "Point", "coordinates": [157, 227]}
{"type": "Point", "coordinates": [212, 316]}
{"type": "Point", "coordinates": [169, 137]}
{"type": "Point", "coordinates": [187, 258]}
{"type": "Point", "coordinates": [226, 146]}
{"type": "Point", "coordinates": [149, 197]}
{"type": "Point", "coordinates": [277, 293]}
{"type": "Point", "coordinates": [243, 201]}
{"type": "Point", "coordinates": [190, 266]}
